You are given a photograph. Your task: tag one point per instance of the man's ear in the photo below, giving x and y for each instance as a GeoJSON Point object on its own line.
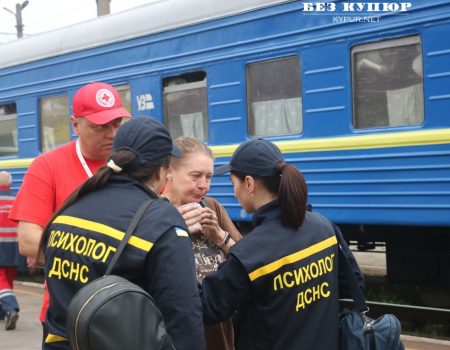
{"type": "Point", "coordinates": [75, 122]}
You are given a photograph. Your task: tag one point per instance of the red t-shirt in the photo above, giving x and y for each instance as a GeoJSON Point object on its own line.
{"type": "Point", "coordinates": [50, 179]}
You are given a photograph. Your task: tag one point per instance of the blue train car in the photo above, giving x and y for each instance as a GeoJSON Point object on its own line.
{"type": "Point", "coordinates": [356, 95]}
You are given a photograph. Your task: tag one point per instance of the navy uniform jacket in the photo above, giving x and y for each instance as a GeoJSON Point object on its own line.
{"type": "Point", "coordinates": [283, 282]}
{"type": "Point", "coordinates": [158, 258]}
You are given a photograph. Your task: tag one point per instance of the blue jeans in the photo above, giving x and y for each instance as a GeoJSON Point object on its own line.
{"type": "Point", "coordinates": [8, 302]}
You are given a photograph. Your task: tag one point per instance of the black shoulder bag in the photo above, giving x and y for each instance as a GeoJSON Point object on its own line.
{"type": "Point", "coordinates": [359, 332]}
{"type": "Point", "coordinates": [113, 313]}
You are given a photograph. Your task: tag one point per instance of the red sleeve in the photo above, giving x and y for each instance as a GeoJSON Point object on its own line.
{"type": "Point", "coordinates": [35, 201]}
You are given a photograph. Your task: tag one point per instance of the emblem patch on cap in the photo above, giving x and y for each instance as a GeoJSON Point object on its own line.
{"type": "Point", "coordinates": [105, 98]}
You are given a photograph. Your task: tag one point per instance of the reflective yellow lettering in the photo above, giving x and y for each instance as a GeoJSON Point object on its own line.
{"type": "Point", "coordinates": [286, 283]}
{"type": "Point", "coordinates": [329, 262]}
{"type": "Point", "coordinates": [52, 238]}
{"type": "Point", "coordinates": [298, 276]}
{"type": "Point", "coordinates": [63, 241]}
{"type": "Point", "coordinates": [307, 277]}
{"type": "Point", "coordinates": [71, 245]}
{"type": "Point", "coordinates": [90, 246]}
{"type": "Point", "coordinates": [109, 250]}
{"type": "Point", "coordinates": [322, 286]}
{"type": "Point", "coordinates": [300, 302]}
{"type": "Point", "coordinates": [280, 283]}
{"type": "Point", "coordinates": [314, 273]}
{"type": "Point", "coordinates": [316, 292]}
{"type": "Point", "coordinates": [83, 271]}
{"type": "Point", "coordinates": [56, 268]}
{"type": "Point", "coordinates": [57, 234]}
{"type": "Point", "coordinates": [81, 245]}
{"type": "Point", "coordinates": [102, 247]}
{"type": "Point", "coordinates": [322, 267]}
{"type": "Point", "coordinates": [308, 299]}
{"type": "Point", "coordinates": [74, 271]}
{"type": "Point", "coordinates": [65, 268]}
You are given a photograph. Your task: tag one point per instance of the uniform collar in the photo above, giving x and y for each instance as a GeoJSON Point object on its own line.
{"type": "Point", "coordinates": [123, 180]}
{"type": "Point", "coordinates": [4, 187]}
{"type": "Point", "coordinates": [269, 211]}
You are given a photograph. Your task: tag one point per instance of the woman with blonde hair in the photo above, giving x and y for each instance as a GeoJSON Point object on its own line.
{"type": "Point", "coordinates": [188, 181]}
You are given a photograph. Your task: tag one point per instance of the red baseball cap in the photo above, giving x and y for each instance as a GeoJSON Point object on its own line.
{"type": "Point", "coordinates": [99, 103]}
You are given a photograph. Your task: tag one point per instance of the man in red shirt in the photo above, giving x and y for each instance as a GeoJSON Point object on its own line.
{"type": "Point", "coordinates": [54, 175]}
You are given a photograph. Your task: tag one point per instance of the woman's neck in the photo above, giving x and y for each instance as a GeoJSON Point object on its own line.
{"type": "Point", "coordinates": [152, 185]}
{"type": "Point", "coordinates": [262, 198]}
{"type": "Point", "coordinates": [173, 199]}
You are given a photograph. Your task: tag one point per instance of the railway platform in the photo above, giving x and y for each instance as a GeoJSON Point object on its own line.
{"type": "Point", "coordinates": [27, 335]}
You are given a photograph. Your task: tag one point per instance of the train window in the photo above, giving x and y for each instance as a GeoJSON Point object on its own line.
{"type": "Point", "coordinates": [54, 122]}
{"type": "Point", "coordinates": [8, 130]}
{"type": "Point", "coordinates": [185, 105]}
{"type": "Point", "coordinates": [274, 97]}
{"type": "Point", "coordinates": [388, 83]}
{"type": "Point", "coordinates": [125, 95]}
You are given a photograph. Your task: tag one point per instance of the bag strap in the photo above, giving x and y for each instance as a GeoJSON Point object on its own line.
{"type": "Point", "coordinates": [357, 295]}
{"type": "Point", "coordinates": [130, 230]}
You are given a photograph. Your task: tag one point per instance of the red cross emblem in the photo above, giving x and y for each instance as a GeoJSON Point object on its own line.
{"type": "Point", "coordinates": [105, 98]}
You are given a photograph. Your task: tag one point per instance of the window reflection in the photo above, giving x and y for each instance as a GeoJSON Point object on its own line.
{"type": "Point", "coordinates": [185, 105]}
{"type": "Point", "coordinates": [388, 83]}
{"type": "Point", "coordinates": [8, 130]}
{"type": "Point", "coordinates": [274, 97]}
{"type": "Point", "coordinates": [55, 122]}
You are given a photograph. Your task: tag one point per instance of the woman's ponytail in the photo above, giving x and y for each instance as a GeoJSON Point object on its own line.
{"type": "Point", "coordinates": [292, 195]}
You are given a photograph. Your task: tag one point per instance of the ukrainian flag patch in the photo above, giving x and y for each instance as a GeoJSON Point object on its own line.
{"type": "Point", "coordinates": [180, 232]}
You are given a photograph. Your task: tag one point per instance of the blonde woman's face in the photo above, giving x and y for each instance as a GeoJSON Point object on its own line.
{"type": "Point", "coordinates": [190, 180]}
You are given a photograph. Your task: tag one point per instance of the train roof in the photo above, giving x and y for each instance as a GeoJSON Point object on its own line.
{"type": "Point", "coordinates": [154, 17]}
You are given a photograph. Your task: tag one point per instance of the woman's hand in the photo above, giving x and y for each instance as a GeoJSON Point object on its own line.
{"type": "Point", "coordinates": [204, 220]}
{"type": "Point", "coordinates": [210, 227]}
{"type": "Point", "coordinates": [192, 214]}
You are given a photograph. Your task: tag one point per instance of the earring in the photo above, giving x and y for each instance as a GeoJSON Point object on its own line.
{"type": "Point", "coordinates": [251, 194]}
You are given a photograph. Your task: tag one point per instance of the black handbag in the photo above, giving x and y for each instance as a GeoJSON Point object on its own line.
{"type": "Point", "coordinates": [111, 313]}
{"type": "Point", "coordinates": [359, 332]}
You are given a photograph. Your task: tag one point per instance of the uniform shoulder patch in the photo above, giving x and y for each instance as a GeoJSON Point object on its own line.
{"type": "Point", "coordinates": [180, 232]}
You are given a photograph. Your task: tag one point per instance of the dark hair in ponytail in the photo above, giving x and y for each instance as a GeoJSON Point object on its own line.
{"type": "Point", "coordinates": [291, 189]}
{"type": "Point", "coordinates": [123, 159]}
{"type": "Point", "coordinates": [292, 195]}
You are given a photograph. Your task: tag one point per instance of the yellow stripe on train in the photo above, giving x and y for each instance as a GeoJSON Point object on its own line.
{"type": "Point", "coordinates": [353, 142]}
{"type": "Point", "coordinates": [395, 139]}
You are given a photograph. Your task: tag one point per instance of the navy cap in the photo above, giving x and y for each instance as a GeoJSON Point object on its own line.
{"type": "Point", "coordinates": [255, 157]}
{"type": "Point", "coordinates": [147, 138]}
